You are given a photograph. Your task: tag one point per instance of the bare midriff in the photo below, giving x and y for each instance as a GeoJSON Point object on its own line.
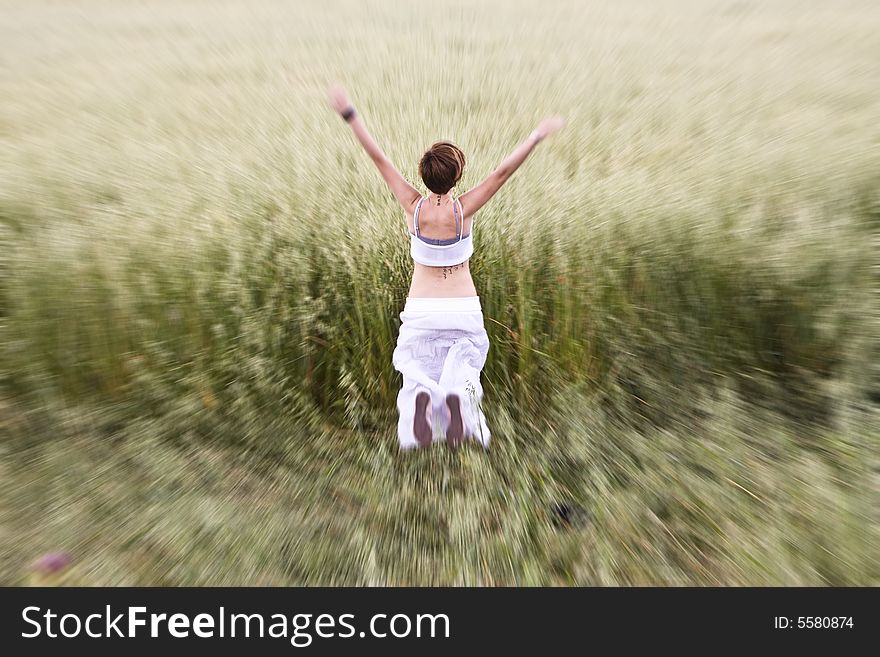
{"type": "Point", "coordinates": [450, 281]}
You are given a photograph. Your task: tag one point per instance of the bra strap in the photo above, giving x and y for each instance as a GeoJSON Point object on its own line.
{"type": "Point", "coordinates": [459, 227]}
{"type": "Point", "coordinates": [416, 215]}
{"type": "Point", "coordinates": [461, 209]}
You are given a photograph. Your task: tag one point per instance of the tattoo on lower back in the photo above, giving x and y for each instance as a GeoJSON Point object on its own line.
{"type": "Point", "coordinates": [447, 271]}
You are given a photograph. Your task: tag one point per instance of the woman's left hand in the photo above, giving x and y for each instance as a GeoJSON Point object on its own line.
{"type": "Point", "coordinates": [339, 100]}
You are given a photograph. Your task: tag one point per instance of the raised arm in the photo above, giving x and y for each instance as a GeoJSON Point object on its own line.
{"type": "Point", "coordinates": [406, 194]}
{"type": "Point", "coordinates": [474, 199]}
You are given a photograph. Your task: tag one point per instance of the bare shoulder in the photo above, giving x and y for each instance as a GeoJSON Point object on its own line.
{"type": "Point", "coordinates": [466, 210]}
{"type": "Point", "coordinates": [410, 208]}
{"type": "Point", "coordinates": [476, 197]}
{"type": "Point", "coordinates": [409, 214]}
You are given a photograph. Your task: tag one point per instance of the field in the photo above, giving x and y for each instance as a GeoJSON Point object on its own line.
{"type": "Point", "coordinates": [201, 277]}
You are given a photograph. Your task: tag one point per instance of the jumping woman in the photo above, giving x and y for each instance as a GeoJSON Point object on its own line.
{"type": "Point", "coordinates": [443, 344]}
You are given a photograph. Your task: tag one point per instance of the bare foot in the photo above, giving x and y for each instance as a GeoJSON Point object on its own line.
{"type": "Point", "coordinates": [455, 430]}
{"type": "Point", "coordinates": [421, 426]}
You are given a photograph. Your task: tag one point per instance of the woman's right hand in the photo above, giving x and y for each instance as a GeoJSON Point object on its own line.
{"type": "Point", "coordinates": [548, 126]}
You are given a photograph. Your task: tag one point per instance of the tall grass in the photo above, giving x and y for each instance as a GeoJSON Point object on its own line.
{"type": "Point", "coordinates": [202, 276]}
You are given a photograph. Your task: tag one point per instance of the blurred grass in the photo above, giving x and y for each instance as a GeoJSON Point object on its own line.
{"type": "Point", "coordinates": [202, 275]}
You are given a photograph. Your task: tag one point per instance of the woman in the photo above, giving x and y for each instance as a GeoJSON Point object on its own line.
{"type": "Point", "coordinates": [442, 345]}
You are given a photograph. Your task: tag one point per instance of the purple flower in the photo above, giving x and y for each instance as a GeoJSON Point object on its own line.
{"type": "Point", "coordinates": [52, 562]}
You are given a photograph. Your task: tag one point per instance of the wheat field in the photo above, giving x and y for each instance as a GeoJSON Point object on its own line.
{"type": "Point", "coordinates": [202, 275]}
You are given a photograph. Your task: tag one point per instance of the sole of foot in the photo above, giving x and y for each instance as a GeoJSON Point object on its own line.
{"type": "Point", "coordinates": [455, 430]}
{"type": "Point", "coordinates": [421, 426]}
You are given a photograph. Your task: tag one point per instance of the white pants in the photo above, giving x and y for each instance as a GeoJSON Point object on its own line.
{"type": "Point", "coordinates": [441, 349]}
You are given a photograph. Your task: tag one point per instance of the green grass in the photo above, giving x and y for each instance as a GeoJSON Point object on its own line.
{"type": "Point", "coordinates": [202, 275]}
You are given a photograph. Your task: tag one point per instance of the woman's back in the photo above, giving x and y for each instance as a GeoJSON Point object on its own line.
{"type": "Point", "coordinates": [448, 225]}
{"type": "Point", "coordinates": [440, 223]}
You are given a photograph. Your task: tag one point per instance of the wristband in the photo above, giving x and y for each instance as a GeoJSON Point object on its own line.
{"type": "Point", "coordinates": [347, 114]}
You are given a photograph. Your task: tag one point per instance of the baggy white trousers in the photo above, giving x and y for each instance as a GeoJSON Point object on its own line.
{"type": "Point", "coordinates": [441, 349]}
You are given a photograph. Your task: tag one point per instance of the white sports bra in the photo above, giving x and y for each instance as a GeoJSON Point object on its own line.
{"type": "Point", "coordinates": [441, 253]}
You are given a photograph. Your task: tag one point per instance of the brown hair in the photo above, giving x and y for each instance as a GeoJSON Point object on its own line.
{"type": "Point", "coordinates": [441, 166]}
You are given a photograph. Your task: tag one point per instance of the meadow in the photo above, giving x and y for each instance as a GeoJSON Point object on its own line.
{"type": "Point", "coordinates": [202, 274]}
